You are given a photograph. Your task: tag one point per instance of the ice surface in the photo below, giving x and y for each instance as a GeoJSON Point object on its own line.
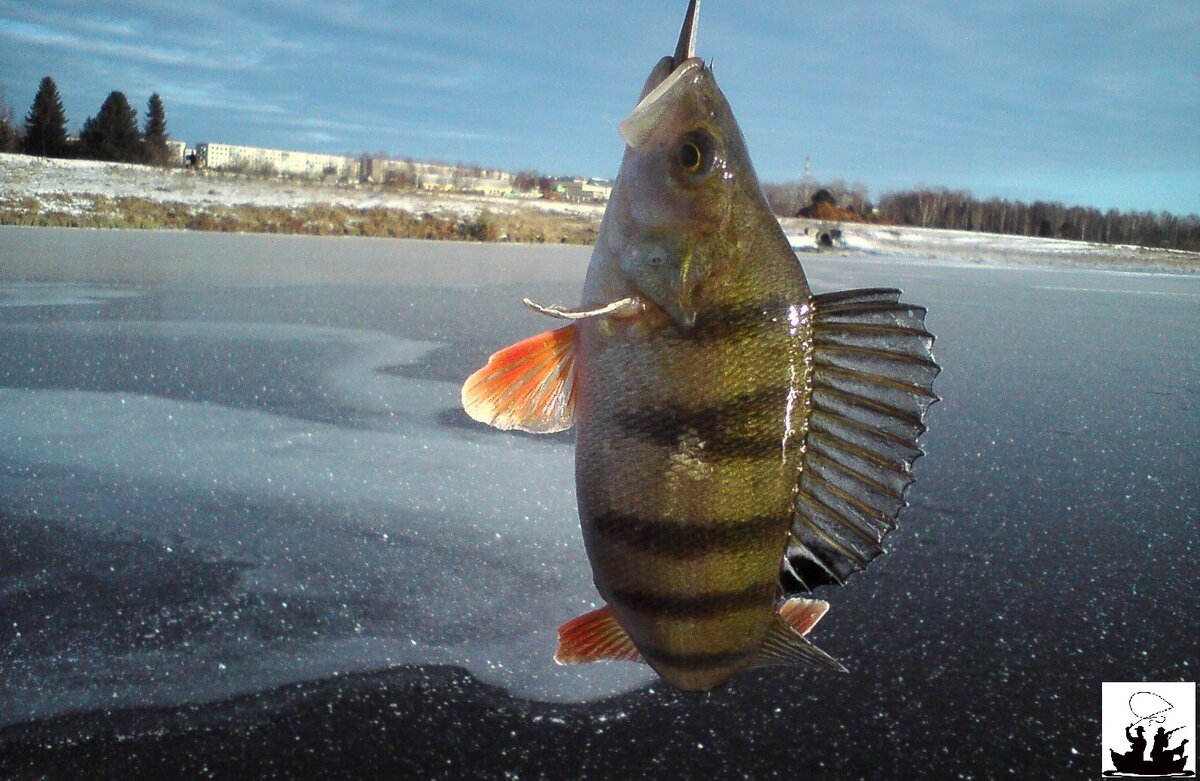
{"type": "Point", "coordinates": [241, 461]}
{"type": "Point", "coordinates": [394, 539]}
{"type": "Point", "coordinates": [58, 294]}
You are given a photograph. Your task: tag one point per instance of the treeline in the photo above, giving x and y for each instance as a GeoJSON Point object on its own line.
{"type": "Point", "coordinates": [943, 208]}
{"type": "Point", "coordinates": [940, 207]}
{"type": "Point", "coordinates": [112, 134]}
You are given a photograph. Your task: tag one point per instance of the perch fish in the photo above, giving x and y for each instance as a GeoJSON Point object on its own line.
{"type": "Point", "coordinates": [740, 440]}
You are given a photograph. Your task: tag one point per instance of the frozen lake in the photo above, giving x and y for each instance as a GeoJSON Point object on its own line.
{"type": "Point", "coordinates": [232, 462]}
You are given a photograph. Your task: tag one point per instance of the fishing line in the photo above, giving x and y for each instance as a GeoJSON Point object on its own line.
{"type": "Point", "coordinates": [1153, 718]}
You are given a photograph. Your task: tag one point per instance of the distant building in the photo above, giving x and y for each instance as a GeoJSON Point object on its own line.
{"type": "Point", "coordinates": [177, 152]}
{"type": "Point", "coordinates": [586, 190]}
{"type": "Point", "coordinates": [489, 185]}
{"type": "Point", "coordinates": [381, 169]}
{"type": "Point", "coordinates": [471, 179]}
{"type": "Point", "coordinates": [281, 161]}
{"type": "Point", "coordinates": [433, 176]}
{"type": "Point", "coordinates": [436, 176]}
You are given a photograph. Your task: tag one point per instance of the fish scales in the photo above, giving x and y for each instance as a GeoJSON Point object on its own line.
{"type": "Point", "coordinates": [740, 439]}
{"type": "Point", "coordinates": [694, 463]}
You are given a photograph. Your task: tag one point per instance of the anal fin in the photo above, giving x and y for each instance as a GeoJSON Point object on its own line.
{"type": "Point", "coordinates": [786, 644]}
{"type": "Point", "coordinates": [595, 637]}
{"type": "Point", "coordinates": [528, 386]}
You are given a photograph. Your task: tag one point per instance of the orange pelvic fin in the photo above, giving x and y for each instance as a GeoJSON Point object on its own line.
{"type": "Point", "coordinates": [594, 637]}
{"type": "Point", "coordinates": [528, 386]}
{"type": "Point", "coordinates": [803, 614]}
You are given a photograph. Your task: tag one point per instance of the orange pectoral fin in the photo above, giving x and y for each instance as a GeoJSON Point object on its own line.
{"type": "Point", "coordinates": [528, 386]}
{"type": "Point", "coordinates": [803, 614]}
{"type": "Point", "coordinates": [594, 637]}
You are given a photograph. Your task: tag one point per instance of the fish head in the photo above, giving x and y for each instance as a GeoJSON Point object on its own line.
{"type": "Point", "coordinates": [671, 229]}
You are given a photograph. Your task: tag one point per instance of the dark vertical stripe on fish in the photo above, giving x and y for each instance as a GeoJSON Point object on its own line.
{"type": "Point", "coordinates": [701, 660]}
{"type": "Point", "coordinates": [737, 321]}
{"type": "Point", "coordinates": [749, 425]}
{"type": "Point", "coordinates": [702, 605]}
{"type": "Point", "coordinates": [688, 540]}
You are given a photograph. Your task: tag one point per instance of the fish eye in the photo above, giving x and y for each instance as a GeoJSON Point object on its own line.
{"type": "Point", "coordinates": [689, 157]}
{"type": "Point", "coordinates": [693, 154]}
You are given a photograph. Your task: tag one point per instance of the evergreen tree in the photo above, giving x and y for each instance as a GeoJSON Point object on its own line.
{"type": "Point", "coordinates": [46, 124]}
{"type": "Point", "coordinates": [113, 133]}
{"type": "Point", "coordinates": [156, 132]}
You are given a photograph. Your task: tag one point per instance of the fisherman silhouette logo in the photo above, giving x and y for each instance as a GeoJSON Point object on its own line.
{"type": "Point", "coordinates": [1157, 716]}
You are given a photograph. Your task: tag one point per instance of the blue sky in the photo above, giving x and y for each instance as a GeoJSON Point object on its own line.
{"type": "Point", "coordinates": [1081, 101]}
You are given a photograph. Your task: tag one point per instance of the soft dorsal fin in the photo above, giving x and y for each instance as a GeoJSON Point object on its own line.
{"type": "Point", "coordinates": [872, 379]}
{"type": "Point", "coordinates": [786, 645]}
{"type": "Point", "coordinates": [528, 386]}
{"type": "Point", "coordinates": [594, 637]}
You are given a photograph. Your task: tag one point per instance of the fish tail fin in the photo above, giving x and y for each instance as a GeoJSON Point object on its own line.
{"type": "Point", "coordinates": [786, 643]}
{"type": "Point", "coordinates": [528, 386]}
{"type": "Point", "coordinates": [594, 637]}
{"type": "Point", "coordinates": [872, 384]}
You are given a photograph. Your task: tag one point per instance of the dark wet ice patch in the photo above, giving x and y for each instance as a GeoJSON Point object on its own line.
{"type": "Point", "coordinates": [284, 370]}
{"type": "Point", "coordinates": [77, 590]}
{"type": "Point", "coordinates": [448, 363]}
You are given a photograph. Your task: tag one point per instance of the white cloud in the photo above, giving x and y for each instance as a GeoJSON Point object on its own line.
{"type": "Point", "coordinates": [218, 96]}
{"type": "Point", "coordinates": [26, 33]}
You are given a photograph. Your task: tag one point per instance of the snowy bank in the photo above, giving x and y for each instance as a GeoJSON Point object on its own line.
{"type": "Point", "coordinates": [87, 193]}
{"type": "Point", "coordinates": [64, 182]}
{"type": "Point", "coordinates": [974, 247]}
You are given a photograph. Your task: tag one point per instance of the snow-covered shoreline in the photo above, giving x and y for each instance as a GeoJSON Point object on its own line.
{"type": "Point", "coordinates": [79, 189]}
{"type": "Point", "coordinates": [938, 245]}
{"type": "Point", "coordinates": [66, 183]}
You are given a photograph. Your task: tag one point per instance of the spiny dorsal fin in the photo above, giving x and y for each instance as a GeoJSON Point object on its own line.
{"type": "Point", "coordinates": [785, 645]}
{"type": "Point", "coordinates": [594, 637]}
{"type": "Point", "coordinates": [528, 386]}
{"type": "Point", "coordinates": [873, 372]}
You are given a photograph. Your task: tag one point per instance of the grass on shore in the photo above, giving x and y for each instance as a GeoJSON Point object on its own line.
{"type": "Point", "coordinates": [97, 211]}
{"type": "Point", "coordinates": [524, 225]}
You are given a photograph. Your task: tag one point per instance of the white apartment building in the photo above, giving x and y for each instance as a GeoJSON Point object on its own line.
{"type": "Point", "coordinates": [176, 152]}
{"type": "Point", "coordinates": [435, 176]}
{"type": "Point", "coordinates": [218, 156]}
{"type": "Point", "coordinates": [586, 190]}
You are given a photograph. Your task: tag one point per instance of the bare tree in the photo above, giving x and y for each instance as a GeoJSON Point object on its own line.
{"type": "Point", "coordinates": [10, 140]}
{"type": "Point", "coordinates": [939, 207]}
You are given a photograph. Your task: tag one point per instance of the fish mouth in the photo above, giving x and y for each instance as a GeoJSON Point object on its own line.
{"type": "Point", "coordinates": [665, 277]}
{"type": "Point", "coordinates": [669, 309]}
{"type": "Point", "coordinates": [682, 317]}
